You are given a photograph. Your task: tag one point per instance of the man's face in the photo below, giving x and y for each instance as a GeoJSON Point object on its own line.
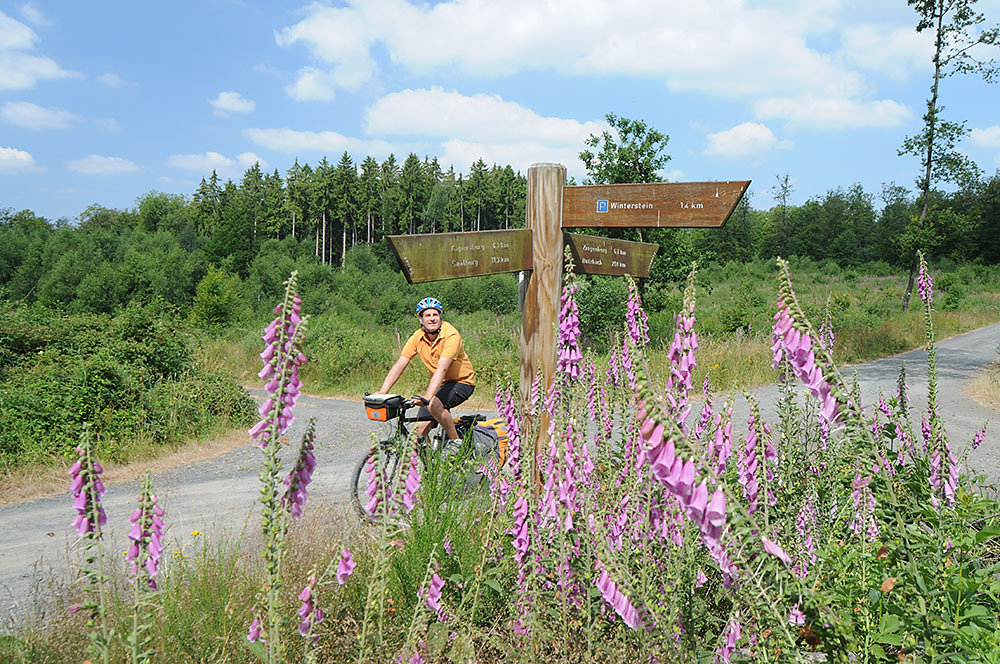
{"type": "Point", "coordinates": [431, 320]}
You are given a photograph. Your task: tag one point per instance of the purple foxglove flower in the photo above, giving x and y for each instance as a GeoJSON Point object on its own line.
{"type": "Point", "coordinates": [256, 628]}
{"type": "Point", "coordinates": [775, 550]}
{"type": "Point", "coordinates": [432, 593]}
{"type": "Point", "coordinates": [796, 345]}
{"type": "Point", "coordinates": [411, 484]}
{"type": "Point", "coordinates": [617, 599]}
{"type": "Point", "coordinates": [345, 566]}
{"type": "Point", "coordinates": [309, 612]}
{"type": "Point", "coordinates": [925, 285]}
{"type": "Point", "coordinates": [569, 358]}
{"type": "Point", "coordinates": [87, 490]}
{"type": "Point", "coordinates": [635, 318]}
{"type": "Point", "coordinates": [297, 481]}
{"type": "Point", "coordinates": [700, 579]}
{"type": "Point", "coordinates": [978, 438]}
{"type": "Point", "coordinates": [145, 551]}
{"type": "Point", "coordinates": [795, 616]}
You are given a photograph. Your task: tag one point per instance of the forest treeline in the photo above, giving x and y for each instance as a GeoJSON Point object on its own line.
{"type": "Point", "coordinates": [231, 232]}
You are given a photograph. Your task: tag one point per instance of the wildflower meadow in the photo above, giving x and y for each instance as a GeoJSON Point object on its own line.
{"type": "Point", "coordinates": [653, 527]}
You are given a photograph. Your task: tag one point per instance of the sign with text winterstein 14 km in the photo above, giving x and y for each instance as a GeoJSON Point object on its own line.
{"type": "Point", "coordinates": [651, 205]}
{"type": "Point", "coordinates": [602, 255]}
{"type": "Point", "coordinates": [436, 256]}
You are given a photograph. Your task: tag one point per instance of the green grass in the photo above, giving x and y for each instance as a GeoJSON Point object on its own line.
{"type": "Point", "coordinates": [735, 305]}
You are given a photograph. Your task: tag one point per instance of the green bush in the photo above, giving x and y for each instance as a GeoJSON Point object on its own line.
{"type": "Point", "coordinates": [952, 289]}
{"type": "Point", "coordinates": [131, 377]}
{"type": "Point", "coordinates": [602, 302]}
{"type": "Point", "coordinates": [218, 301]}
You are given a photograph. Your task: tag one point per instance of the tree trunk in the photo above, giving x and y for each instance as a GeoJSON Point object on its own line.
{"type": "Point", "coordinates": [929, 157]}
{"type": "Point", "coordinates": [322, 258]}
{"type": "Point", "coordinates": [343, 245]}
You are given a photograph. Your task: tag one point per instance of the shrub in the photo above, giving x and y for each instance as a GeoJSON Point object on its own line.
{"type": "Point", "coordinates": [217, 302]}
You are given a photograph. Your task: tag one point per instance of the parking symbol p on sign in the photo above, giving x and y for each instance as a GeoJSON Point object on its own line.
{"type": "Point", "coordinates": [602, 206]}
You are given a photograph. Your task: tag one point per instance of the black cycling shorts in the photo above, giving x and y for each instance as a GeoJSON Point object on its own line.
{"type": "Point", "coordinates": [450, 394]}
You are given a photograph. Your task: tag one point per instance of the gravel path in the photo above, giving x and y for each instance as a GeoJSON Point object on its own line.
{"type": "Point", "coordinates": [218, 496]}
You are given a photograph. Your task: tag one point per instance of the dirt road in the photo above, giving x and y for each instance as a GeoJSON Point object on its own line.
{"type": "Point", "coordinates": [218, 496]}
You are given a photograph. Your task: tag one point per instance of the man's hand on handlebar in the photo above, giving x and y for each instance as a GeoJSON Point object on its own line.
{"type": "Point", "coordinates": [422, 401]}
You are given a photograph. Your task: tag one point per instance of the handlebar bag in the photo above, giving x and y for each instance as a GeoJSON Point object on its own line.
{"type": "Point", "coordinates": [383, 407]}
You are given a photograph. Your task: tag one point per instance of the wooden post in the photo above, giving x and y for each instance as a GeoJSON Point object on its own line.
{"type": "Point", "coordinates": [540, 312]}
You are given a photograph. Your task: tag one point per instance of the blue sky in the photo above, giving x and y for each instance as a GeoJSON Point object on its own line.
{"type": "Point", "coordinates": [101, 102]}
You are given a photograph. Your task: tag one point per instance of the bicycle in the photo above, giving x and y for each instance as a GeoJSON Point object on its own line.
{"type": "Point", "coordinates": [394, 407]}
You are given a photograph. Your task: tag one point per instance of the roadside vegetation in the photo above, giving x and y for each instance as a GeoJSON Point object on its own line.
{"type": "Point", "coordinates": [674, 535]}
{"type": "Point", "coordinates": [152, 377]}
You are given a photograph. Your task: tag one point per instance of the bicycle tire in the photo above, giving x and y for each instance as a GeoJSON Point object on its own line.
{"type": "Point", "coordinates": [360, 477]}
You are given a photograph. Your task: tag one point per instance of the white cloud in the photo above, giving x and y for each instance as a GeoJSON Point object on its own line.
{"type": "Point", "coordinates": [32, 116]}
{"type": "Point", "coordinates": [312, 84]}
{"type": "Point", "coordinates": [833, 112]}
{"type": "Point", "coordinates": [986, 138]}
{"type": "Point", "coordinates": [248, 159]}
{"type": "Point", "coordinates": [205, 161]}
{"type": "Point", "coordinates": [32, 14]}
{"type": "Point", "coordinates": [15, 35]}
{"type": "Point", "coordinates": [111, 80]}
{"type": "Point", "coordinates": [19, 70]}
{"type": "Point", "coordinates": [895, 51]}
{"type": "Point", "coordinates": [744, 140]}
{"type": "Point", "coordinates": [213, 161]}
{"type": "Point", "coordinates": [231, 102]}
{"type": "Point", "coordinates": [329, 142]}
{"type": "Point", "coordinates": [339, 38]}
{"type": "Point", "coordinates": [727, 48]}
{"type": "Point", "coordinates": [13, 161]}
{"type": "Point", "coordinates": [481, 117]}
{"type": "Point", "coordinates": [99, 165]}
{"type": "Point", "coordinates": [519, 154]}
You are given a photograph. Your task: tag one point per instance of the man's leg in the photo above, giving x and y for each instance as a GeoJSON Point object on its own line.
{"type": "Point", "coordinates": [443, 415]}
{"type": "Point", "coordinates": [424, 427]}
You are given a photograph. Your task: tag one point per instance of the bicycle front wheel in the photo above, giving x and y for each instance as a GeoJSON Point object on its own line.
{"type": "Point", "coordinates": [374, 470]}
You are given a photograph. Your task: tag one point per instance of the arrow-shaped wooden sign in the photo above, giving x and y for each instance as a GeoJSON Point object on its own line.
{"type": "Point", "coordinates": [435, 256]}
{"type": "Point", "coordinates": [601, 255]}
{"type": "Point", "coordinates": [651, 205]}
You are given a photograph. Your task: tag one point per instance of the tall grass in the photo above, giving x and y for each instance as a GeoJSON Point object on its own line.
{"type": "Point", "coordinates": [735, 309]}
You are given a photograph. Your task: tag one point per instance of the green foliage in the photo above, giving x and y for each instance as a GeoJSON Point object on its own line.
{"type": "Point", "coordinates": [631, 151]}
{"type": "Point", "coordinates": [132, 377]}
{"type": "Point", "coordinates": [743, 308]}
{"type": "Point", "coordinates": [953, 289]}
{"type": "Point", "coordinates": [218, 301]}
{"type": "Point", "coordinates": [602, 302]}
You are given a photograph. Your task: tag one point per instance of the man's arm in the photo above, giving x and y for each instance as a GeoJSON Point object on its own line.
{"type": "Point", "coordinates": [438, 378]}
{"type": "Point", "coordinates": [394, 373]}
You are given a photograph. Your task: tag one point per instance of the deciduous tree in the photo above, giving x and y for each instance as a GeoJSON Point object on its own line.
{"type": "Point", "coordinates": [957, 30]}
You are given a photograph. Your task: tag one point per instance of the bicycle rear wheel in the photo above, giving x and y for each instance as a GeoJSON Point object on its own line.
{"type": "Point", "coordinates": [385, 466]}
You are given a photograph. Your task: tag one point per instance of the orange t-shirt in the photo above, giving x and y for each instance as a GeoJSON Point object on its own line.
{"type": "Point", "coordinates": [447, 344]}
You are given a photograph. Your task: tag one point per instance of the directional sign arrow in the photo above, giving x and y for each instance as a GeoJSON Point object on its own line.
{"type": "Point", "coordinates": [436, 256]}
{"type": "Point", "coordinates": [655, 204]}
{"type": "Point", "coordinates": [601, 255]}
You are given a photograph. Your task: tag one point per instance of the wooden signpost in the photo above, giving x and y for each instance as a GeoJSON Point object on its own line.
{"type": "Point", "coordinates": [593, 254]}
{"type": "Point", "coordinates": [538, 249]}
{"type": "Point", "coordinates": [436, 256]}
{"type": "Point", "coordinates": [651, 205]}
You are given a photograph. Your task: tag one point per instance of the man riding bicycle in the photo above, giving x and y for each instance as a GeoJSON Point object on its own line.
{"type": "Point", "coordinates": [452, 381]}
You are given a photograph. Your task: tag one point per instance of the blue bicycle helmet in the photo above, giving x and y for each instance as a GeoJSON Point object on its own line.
{"type": "Point", "coordinates": [429, 303]}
